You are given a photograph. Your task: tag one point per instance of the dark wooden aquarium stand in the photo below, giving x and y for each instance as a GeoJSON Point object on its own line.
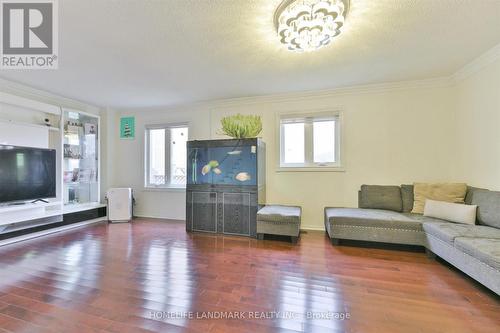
{"type": "Point", "coordinates": [225, 185]}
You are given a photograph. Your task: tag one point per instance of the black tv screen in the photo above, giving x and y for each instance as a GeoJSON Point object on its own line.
{"type": "Point", "coordinates": [27, 173]}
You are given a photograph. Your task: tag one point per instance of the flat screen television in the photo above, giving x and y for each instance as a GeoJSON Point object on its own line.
{"type": "Point", "coordinates": [27, 173]}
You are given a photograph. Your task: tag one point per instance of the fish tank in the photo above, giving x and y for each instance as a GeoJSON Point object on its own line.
{"type": "Point", "coordinates": [222, 162]}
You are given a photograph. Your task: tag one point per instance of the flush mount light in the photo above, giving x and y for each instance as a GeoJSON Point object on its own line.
{"type": "Point", "coordinates": [307, 25]}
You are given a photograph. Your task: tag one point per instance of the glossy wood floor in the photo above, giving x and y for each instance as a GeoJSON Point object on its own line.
{"type": "Point", "coordinates": [150, 276]}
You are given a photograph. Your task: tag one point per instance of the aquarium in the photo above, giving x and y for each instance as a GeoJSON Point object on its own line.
{"type": "Point", "coordinates": [228, 164]}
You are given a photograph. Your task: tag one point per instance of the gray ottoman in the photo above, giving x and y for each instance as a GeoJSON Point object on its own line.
{"type": "Point", "coordinates": [279, 220]}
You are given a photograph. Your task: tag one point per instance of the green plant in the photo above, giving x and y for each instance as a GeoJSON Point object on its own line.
{"type": "Point", "coordinates": [241, 126]}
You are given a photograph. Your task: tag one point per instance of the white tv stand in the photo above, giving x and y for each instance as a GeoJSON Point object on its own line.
{"type": "Point", "coordinates": [38, 213]}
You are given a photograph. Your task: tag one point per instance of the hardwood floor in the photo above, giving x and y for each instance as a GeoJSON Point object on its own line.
{"type": "Point", "coordinates": [151, 276]}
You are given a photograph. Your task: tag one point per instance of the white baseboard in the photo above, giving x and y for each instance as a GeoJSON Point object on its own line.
{"type": "Point", "coordinates": [158, 217]}
{"type": "Point", "coordinates": [50, 231]}
{"type": "Point", "coordinates": [310, 227]}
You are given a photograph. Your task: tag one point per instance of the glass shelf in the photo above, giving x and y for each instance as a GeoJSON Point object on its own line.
{"type": "Point", "coordinates": [80, 158]}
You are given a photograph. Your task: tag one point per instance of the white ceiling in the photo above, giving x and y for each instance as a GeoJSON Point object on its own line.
{"type": "Point", "coordinates": [142, 53]}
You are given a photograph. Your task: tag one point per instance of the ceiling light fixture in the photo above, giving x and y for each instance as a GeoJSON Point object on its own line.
{"type": "Point", "coordinates": [307, 25]}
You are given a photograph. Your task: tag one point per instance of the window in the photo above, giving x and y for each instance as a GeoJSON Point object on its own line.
{"type": "Point", "coordinates": [166, 155]}
{"type": "Point", "coordinates": [310, 141]}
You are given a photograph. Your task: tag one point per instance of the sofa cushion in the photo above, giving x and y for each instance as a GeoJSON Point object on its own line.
{"type": "Point", "coordinates": [279, 213]}
{"type": "Point", "coordinates": [486, 250]}
{"type": "Point", "coordinates": [423, 219]}
{"type": "Point", "coordinates": [372, 218]}
{"type": "Point", "coordinates": [488, 207]}
{"type": "Point", "coordinates": [449, 192]}
{"type": "Point", "coordinates": [447, 231]}
{"type": "Point", "coordinates": [407, 197]}
{"type": "Point", "coordinates": [381, 197]}
{"type": "Point", "coordinates": [470, 193]}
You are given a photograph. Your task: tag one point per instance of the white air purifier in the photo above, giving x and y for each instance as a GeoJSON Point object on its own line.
{"type": "Point", "coordinates": [120, 204]}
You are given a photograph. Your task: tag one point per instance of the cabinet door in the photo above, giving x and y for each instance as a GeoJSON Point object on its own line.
{"type": "Point", "coordinates": [236, 213]}
{"type": "Point", "coordinates": [204, 211]}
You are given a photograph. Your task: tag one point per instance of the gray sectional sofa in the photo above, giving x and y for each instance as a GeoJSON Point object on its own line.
{"type": "Point", "coordinates": [385, 216]}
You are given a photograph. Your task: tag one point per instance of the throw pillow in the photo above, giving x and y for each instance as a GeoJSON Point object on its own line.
{"type": "Point", "coordinates": [452, 212]}
{"type": "Point", "coordinates": [407, 196]}
{"type": "Point", "coordinates": [381, 197]}
{"type": "Point", "coordinates": [488, 207]}
{"type": "Point", "coordinates": [449, 192]}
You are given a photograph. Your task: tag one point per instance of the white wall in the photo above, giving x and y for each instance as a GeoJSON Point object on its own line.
{"type": "Point", "coordinates": [394, 134]}
{"type": "Point", "coordinates": [126, 159]}
{"type": "Point", "coordinates": [477, 135]}
{"type": "Point", "coordinates": [109, 125]}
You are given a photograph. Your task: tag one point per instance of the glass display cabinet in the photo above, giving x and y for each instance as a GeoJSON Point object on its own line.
{"type": "Point", "coordinates": [80, 159]}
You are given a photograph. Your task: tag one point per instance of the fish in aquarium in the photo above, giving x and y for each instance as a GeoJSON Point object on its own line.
{"type": "Point", "coordinates": [217, 171]}
{"type": "Point", "coordinates": [205, 170]}
{"type": "Point", "coordinates": [243, 176]}
{"type": "Point", "coordinates": [234, 152]}
{"type": "Point", "coordinates": [210, 166]}
{"type": "Point", "coordinates": [213, 164]}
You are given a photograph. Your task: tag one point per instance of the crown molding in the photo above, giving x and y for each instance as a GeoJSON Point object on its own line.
{"type": "Point", "coordinates": [297, 96]}
{"type": "Point", "coordinates": [318, 94]}
{"type": "Point", "coordinates": [477, 64]}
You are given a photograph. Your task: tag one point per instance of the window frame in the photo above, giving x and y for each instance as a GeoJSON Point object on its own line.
{"type": "Point", "coordinates": [147, 144]}
{"type": "Point", "coordinates": [309, 164]}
